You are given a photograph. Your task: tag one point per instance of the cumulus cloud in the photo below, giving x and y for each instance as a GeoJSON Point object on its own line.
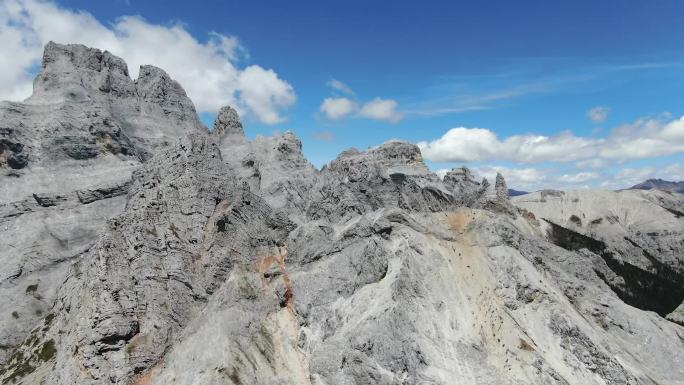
{"type": "Point", "coordinates": [463, 144]}
{"type": "Point", "coordinates": [264, 93]}
{"type": "Point", "coordinates": [381, 109]}
{"type": "Point", "coordinates": [338, 108]}
{"type": "Point", "coordinates": [598, 114]}
{"type": "Point", "coordinates": [209, 71]}
{"type": "Point", "coordinates": [631, 175]}
{"type": "Point", "coordinates": [645, 138]}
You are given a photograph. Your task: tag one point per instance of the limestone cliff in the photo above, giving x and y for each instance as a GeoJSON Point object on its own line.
{"type": "Point", "coordinates": [228, 260]}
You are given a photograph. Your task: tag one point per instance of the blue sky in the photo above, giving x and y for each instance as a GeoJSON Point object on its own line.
{"type": "Point", "coordinates": [521, 69]}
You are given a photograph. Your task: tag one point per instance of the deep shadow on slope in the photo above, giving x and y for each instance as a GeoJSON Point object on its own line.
{"type": "Point", "coordinates": [661, 291]}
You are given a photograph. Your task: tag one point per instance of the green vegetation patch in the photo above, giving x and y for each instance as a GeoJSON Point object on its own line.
{"type": "Point", "coordinates": [31, 354]}
{"type": "Point", "coordinates": [48, 350]}
{"type": "Point", "coordinates": [17, 367]}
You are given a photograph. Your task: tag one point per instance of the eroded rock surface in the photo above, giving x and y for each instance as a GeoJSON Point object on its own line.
{"type": "Point", "coordinates": [66, 158]}
{"type": "Point", "coordinates": [236, 261]}
{"type": "Point", "coordinates": [638, 234]}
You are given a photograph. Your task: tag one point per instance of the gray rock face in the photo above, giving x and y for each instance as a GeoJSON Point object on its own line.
{"type": "Point", "coordinates": [638, 235]}
{"type": "Point", "coordinates": [501, 188]}
{"type": "Point", "coordinates": [236, 261]}
{"type": "Point", "coordinates": [66, 158]}
{"type": "Point", "coordinates": [465, 188]}
{"type": "Point", "coordinates": [228, 124]}
{"type": "Point", "coordinates": [117, 115]}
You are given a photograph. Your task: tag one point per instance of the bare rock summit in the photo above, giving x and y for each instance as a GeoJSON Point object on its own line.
{"type": "Point", "coordinates": [139, 248]}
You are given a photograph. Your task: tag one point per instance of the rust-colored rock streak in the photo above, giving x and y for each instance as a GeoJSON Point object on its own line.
{"type": "Point", "coordinates": [265, 263]}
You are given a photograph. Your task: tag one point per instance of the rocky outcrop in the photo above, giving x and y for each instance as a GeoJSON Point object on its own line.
{"type": "Point", "coordinates": [66, 158]}
{"type": "Point", "coordinates": [121, 315]}
{"type": "Point", "coordinates": [236, 261]}
{"type": "Point", "coordinates": [638, 235]}
{"type": "Point", "coordinates": [228, 124]}
{"type": "Point", "coordinates": [464, 187]}
{"type": "Point", "coordinates": [501, 188]}
{"type": "Point", "coordinates": [468, 192]}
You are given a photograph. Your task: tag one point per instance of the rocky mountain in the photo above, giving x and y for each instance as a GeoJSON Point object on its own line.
{"type": "Point", "coordinates": [66, 159]}
{"type": "Point", "coordinates": [638, 233]}
{"type": "Point", "coordinates": [659, 184]}
{"type": "Point", "coordinates": [223, 260]}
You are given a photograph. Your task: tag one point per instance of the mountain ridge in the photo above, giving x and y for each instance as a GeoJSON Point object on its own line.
{"type": "Point", "coordinates": [71, 149]}
{"type": "Point", "coordinates": [660, 184]}
{"type": "Point", "coordinates": [219, 259]}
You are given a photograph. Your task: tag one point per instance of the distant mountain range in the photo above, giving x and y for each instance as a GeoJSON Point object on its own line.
{"type": "Point", "coordinates": [515, 193]}
{"type": "Point", "coordinates": [660, 184]}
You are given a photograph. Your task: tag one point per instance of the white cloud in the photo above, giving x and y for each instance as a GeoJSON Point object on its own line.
{"type": "Point", "coordinates": [646, 138]}
{"type": "Point", "coordinates": [381, 109]}
{"type": "Point", "coordinates": [338, 108]}
{"type": "Point", "coordinates": [208, 70]}
{"type": "Point", "coordinates": [598, 114]}
{"type": "Point", "coordinates": [337, 85]}
{"type": "Point", "coordinates": [674, 130]}
{"type": "Point", "coordinates": [580, 177]}
{"type": "Point", "coordinates": [478, 144]}
{"type": "Point", "coordinates": [628, 177]}
{"type": "Point", "coordinates": [264, 93]}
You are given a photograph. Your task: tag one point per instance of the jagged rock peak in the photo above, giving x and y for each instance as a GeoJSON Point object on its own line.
{"type": "Point", "coordinates": [461, 174]}
{"type": "Point", "coordinates": [501, 188]}
{"type": "Point", "coordinates": [82, 57]}
{"type": "Point", "coordinates": [228, 123]}
{"type": "Point", "coordinates": [288, 150]}
{"type": "Point", "coordinates": [399, 152]}
{"type": "Point", "coordinates": [292, 141]}
{"type": "Point", "coordinates": [72, 71]}
{"type": "Point", "coordinates": [154, 84]}
{"type": "Point", "coordinates": [465, 189]}
{"type": "Point", "coordinates": [392, 153]}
